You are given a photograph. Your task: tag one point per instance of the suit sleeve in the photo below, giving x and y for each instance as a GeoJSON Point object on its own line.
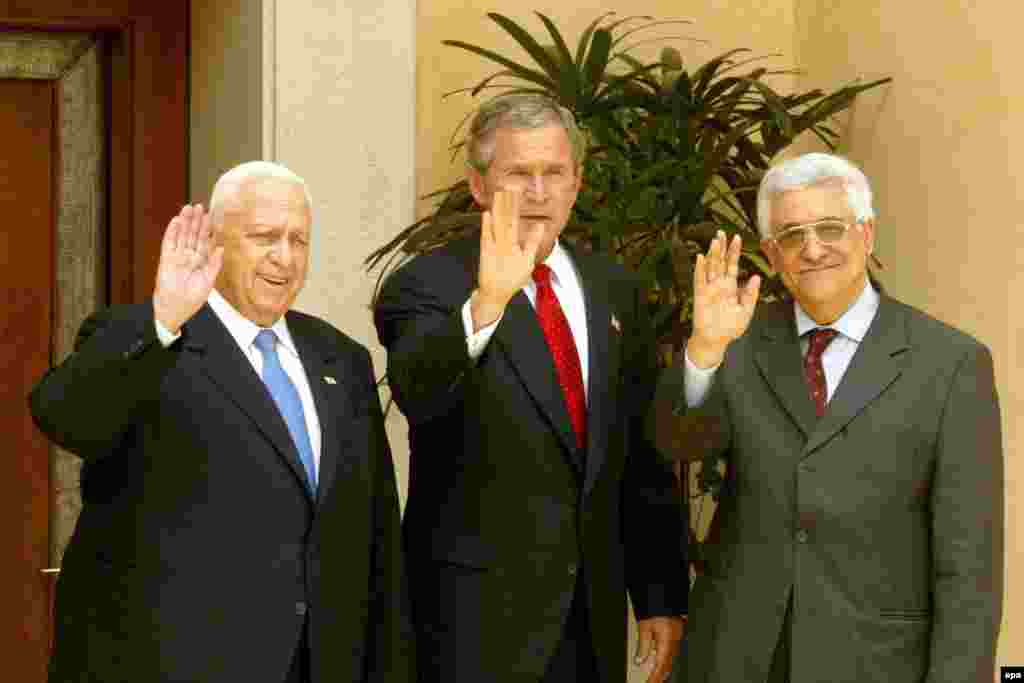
{"type": "Point", "coordinates": [655, 518]}
{"type": "Point", "coordinates": [390, 657]}
{"type": "Point", "coordinates": [967, 527]}
{"type": "Point", "coordinates": [89, 402]}
{"type": "Point", "coordinates": [421, 326]}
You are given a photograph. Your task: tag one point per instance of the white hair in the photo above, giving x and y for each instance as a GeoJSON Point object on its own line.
{"type": "Point", "coordinates": [227, 186]}
{"type": "Point", "coordinates": [813, 169]}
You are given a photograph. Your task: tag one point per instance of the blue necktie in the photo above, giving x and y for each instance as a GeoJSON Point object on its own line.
{"type": "Point", "coordinates": [286, 396]}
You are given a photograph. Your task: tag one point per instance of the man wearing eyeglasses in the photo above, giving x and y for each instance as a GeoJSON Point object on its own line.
{"type": "Point", "coordinates": [859, 533]}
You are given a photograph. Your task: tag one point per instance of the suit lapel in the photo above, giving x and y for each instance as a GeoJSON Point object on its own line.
{"type": "Point", "coordinates": [523, 341]}
{"type": "Point", "coordinates": [777, 355]}
{"type": "Point", "coordinates": [877, 363]}
{"type": "Point", "coordinates": [332, 407]}
{"type": "Point", "coordinates": [228, 368]}
{"type": "Point", "coordinates": [603, 366]}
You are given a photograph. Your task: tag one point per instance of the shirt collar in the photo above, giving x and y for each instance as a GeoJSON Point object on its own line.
{"type": "Point", "coordinates": [853, 324]}
{"type": "Point", "coordinates": [560, 263]}
{"type": "Point", "coordinates": [243, 330]}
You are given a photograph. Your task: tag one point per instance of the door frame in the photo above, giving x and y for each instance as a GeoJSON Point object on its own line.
{"type": "Point", "coordinates": [147, 121]}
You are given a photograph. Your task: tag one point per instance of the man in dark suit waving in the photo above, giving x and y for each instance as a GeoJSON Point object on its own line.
{"type": "Point", "coordinates": [240, 518]}
{"type": "Point", "coordinates": [524, 366]}
{"type": "Point", "coordinates": [859, 532]}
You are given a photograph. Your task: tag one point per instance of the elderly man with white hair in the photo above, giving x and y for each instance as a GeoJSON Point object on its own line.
{"type": "Point", "coordinates": [859, 531]}
{"type": "Point", "coordinates": [240, 516]}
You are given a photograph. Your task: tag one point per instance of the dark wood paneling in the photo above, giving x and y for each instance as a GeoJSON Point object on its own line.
{"type": "Point", "coordinates": [27, 191]}
{"type": "Point", "coordinates": [148, 120]}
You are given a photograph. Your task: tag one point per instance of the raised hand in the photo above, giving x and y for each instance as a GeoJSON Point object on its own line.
{"type": "Point", "coordinates": [506, 265]}
{"type": "Point", "coordinates": [188, 268]}
{"type": "Point", "coordinates": [721, 309]}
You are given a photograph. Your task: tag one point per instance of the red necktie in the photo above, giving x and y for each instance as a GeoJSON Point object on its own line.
{"type": "Point", "coordinates": [563, 351]}
{"type": "Point", "coordinates": [814, 373]}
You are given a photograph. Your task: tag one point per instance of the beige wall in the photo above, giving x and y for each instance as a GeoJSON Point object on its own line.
{"type": "Point", "coordinates": [940, 146]}
{"type": "Point", "coordinates": [765, 27]}
{"type": "Point", "coordinates": [325, 88]}
{"type": "Point", "coordinates": [225, 104]}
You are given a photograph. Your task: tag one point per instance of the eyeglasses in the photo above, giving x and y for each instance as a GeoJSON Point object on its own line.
{"type": "Point", "coordinates": [828, 231]}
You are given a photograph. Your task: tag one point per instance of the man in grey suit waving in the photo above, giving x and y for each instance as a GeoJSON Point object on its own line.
{"type": "Point", "coordinates": [859, 533]}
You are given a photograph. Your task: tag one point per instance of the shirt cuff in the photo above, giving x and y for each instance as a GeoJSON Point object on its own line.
{"type": "Point", "coordinates": [476, 342]}
{"type": "Point", "coordinates": [165, 336]}
{"type": "Point", "coordinates": [698, 382]}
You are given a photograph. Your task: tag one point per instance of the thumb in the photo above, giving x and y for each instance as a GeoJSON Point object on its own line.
{"type": "Point", "coordinates": [644, 642]}
{"type": "Point", "coordinates": [214, 263]}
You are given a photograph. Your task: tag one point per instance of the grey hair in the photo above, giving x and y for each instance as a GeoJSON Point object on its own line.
{"type": "Point", "coordinates": [227, 186]}
{"type": "Point", "coordinates": [813, 169]}
{"type": "Point", "coordinates": [520, 110]}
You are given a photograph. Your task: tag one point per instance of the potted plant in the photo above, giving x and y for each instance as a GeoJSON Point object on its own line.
{"type": "Point", "coordinates": [674, 155]}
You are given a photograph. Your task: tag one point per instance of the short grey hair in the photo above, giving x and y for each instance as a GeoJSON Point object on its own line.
{"type": "Point", "coordinates": [520, 110]}
{"type": "Point", "coordinates": [227, 186]}
{"type": "Point", "coordinates": [814, 169]}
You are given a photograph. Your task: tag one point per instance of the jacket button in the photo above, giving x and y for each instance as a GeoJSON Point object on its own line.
{"type": "Point", "coordinates": [572, 570]}
{"type": "Point", "coordinates": [801, 536]}
{"type": "Point", "coordinates": [300, 609]}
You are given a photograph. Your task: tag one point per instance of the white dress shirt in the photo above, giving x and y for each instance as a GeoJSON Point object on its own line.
{"type": "Point", "coordinates": [244, 332]}
{"type": "Point", "coordinates": [565, 282]}
{"type": "Point", "coordinates": [852, 326]}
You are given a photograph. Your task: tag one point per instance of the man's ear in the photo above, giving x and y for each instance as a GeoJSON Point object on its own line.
{"type": "Point", "coordinates": [478, 187]}
{"type": "Point", "coordinates": [868, 229]}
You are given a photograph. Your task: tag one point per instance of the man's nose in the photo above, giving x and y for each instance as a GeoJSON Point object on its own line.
{"type": "Point", "coordinates": [282, 253]}
{"type": "Point", "coordinates": [813, 249]}
{"type": "Point", "coordinates": [536, 187]}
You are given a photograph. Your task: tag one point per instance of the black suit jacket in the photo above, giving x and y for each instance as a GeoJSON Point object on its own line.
{"type": "Point", "coordinates": [200, 551]}
{"type": "Point", "coordinates": [505, 514]}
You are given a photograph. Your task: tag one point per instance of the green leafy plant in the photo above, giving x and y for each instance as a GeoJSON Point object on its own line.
{"type": "Point", "coordinates": [674, 153]}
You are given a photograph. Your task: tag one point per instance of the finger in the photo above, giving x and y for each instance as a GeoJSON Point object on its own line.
{"type": "Point", "coordinates": [662, 662]}
{"type": "Point", "coordinates": [733, 259]}
{"type": "Point", "coordinates": [699, 274]}
{"type": "Point", "coordinates": [205, 232]}
{"type": "Point", "coordinates": [173, 235]}
{"type": "Point", "coordinates": [750, 291]}
{"type": "Point", "coordinates": [643, 646]}
{"type": "Point", "coordinates": [510, 218]}
{"type": "Point", "coordinates": [212, 267]}
{"type": "Point", "coordinates": [498, 212]}
{"type": "Point", "coordinates": [715, 257]}
{"type": "Point", "coordinates": [191, 228]}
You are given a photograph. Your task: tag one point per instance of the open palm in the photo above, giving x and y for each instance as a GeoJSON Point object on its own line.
{"type": "Point", "coordinates": [722, 310]}
{"type": "Point", "coordinates": [188, 268]}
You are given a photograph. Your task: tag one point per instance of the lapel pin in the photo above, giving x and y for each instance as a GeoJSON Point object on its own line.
{"type": "Point", "coordinates": [615, 324]}
{"type": "Point", "coordinates": [330, 380]}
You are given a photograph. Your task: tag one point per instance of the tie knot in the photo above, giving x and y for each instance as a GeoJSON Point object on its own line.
{"type": "Point", "coordinates": [266, 341]}
{"type": "Point", "coordinates": [820, 337]}
{"type": "Point", "coordinates": [542, 274]}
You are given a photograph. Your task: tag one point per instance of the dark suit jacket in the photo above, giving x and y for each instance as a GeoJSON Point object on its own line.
{"type": "Point", "coordinates": [199, 551]}
{"type": "Point", "coordinates": [504, 514]}
{"type": "Point", "coordinates": [883, 519]}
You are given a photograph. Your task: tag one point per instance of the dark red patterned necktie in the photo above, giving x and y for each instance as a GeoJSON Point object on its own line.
{"type": "Point", "coordinates": [814, 373]}
{"type": "Point", "coordinates": [563, 351]}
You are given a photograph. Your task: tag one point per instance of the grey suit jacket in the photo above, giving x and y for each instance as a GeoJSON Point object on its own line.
{"type": "Point", "coordinates": [883, 519]}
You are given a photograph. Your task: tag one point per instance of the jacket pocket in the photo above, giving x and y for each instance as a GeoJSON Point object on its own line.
{"type": "Point", "coordinates": [905, 614]}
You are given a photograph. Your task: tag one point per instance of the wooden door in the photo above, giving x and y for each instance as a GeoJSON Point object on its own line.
{"type": "Point", "coordinates": [27, 216]}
